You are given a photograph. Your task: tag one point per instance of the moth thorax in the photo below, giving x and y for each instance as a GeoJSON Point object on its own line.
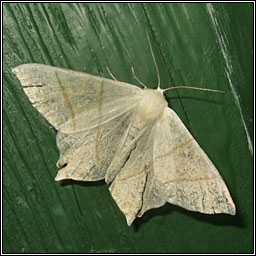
{"type": "Point", "coordinates": [152, 104]}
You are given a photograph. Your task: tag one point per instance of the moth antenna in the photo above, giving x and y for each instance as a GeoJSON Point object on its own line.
{"type": "Point", "coordinates": [153, 56]}
{"type": "Point", "coordinates": [137, 79]}
{"type": "Point", "coordinates": [194, 88]}
{"type": "Point", "coordinates": [111, 73]}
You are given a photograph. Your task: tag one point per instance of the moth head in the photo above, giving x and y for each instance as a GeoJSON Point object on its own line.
{"type": "Point", "coordinates": [151, 104]}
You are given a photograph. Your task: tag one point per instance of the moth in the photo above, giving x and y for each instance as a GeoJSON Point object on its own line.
{"type": "Point", "coordinates": [128, 136]}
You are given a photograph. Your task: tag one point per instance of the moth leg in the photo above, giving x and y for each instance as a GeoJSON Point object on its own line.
{"type": "Point", "coordinates": [111, 74]}
{"type": "Point", "coordinates": [137, 79]}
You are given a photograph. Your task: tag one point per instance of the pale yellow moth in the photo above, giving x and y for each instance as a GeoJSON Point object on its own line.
{"type": "Point", "coordinates": [128, 136]}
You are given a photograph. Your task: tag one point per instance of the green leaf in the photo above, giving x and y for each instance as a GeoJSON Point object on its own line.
{"type": "Point", "coordinates": [202, 45]}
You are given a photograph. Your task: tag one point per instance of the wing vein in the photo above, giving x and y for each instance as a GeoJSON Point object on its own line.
{"type": "Point", "coordinates": [65, 96]}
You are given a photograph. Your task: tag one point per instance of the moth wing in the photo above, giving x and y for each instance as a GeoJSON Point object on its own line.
{"type": "Point", "coordinates": [87, 155]}
{"type": "Point", "coordinates": [73, 101]}
{"type": "Point", "coordinates": [90, 113]}
{"type": "Point", "coordinates": [129, 184]}
{"type": "Point", "coordinates": [182, 174]}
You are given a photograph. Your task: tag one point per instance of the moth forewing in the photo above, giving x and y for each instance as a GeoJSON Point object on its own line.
{"type": "Point", "coordinates": [192, 181]}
